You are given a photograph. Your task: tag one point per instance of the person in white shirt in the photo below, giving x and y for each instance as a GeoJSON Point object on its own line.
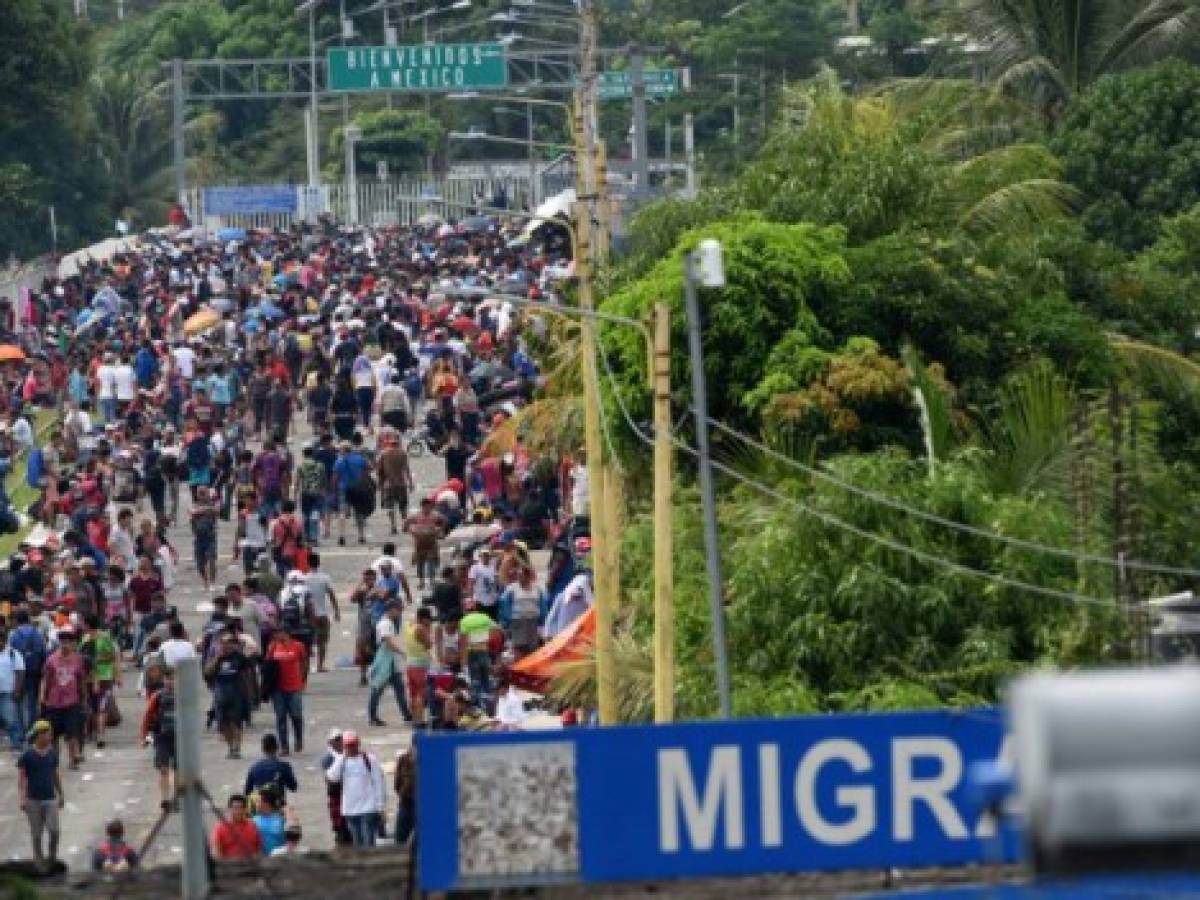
{"type": "Point", "coordinates": [177, 646]}
{"type": "Point", "coordinates": [363, 790]}
{"type": "Point", "coordinates": [510, 708]}
{"type": "Point", "coordinates": [126, 382]}
{"type": "Point", "coordinates": [388, 556]}
{"type": "Point", "coordinates": [121, 548]}
{"type": "Point", "coordinates": [106, 390]}
{"type": "Point", "coordinates": [185, 360]}
{"type": "Point", "coordinates": [22, 433]}
{"type": "Point", "coordinates": [320, 593]}
{"type": "Point", "coordinates": [12, 683]}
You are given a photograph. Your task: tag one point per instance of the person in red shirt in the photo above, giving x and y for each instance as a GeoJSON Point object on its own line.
{"type": "Point", "coordinates": [289, 659]}
{"type": "Point", "coordinates": [237, 837]}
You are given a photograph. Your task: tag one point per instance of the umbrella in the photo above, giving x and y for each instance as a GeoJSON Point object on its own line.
{"type": "Point", "coordinates": [472, 224]}
{"type": "Point", "coordinates": [221, 304]}
{"type": "Point", "coordinates": [429, 219]}
{"type": "Point", "coordinates": [202, 321]}
{"type": "Point", "coordinates": [11, 353]}
{"type": "Point", "coordinates": [232, 234]}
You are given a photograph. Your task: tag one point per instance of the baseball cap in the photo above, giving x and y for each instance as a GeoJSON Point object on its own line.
{"type": "Point", "coordinates": [349, 737]}
{"type": "Point", "coordinates": [334, 734]}
{"type": "Point", "coordinates": [38, 727]}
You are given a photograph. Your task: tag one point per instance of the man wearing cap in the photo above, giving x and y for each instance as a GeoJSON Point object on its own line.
{"type": "Point", "coordinates": [363, 790]}
{"type": "Point", "coordinates": [64, 690]}
{"type": "Point", "coordinates": [40, 791]}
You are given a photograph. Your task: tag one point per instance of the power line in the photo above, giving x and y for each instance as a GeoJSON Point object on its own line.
{"type": "Point", "coordinates": [916, 512]}
{"type": "Point", "coordinates": [836, 522]}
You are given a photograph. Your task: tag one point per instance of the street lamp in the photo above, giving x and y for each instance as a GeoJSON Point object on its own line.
{"type": "Point", "coordinates": [704, 268]}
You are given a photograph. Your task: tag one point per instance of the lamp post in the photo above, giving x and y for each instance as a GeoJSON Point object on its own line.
{"type": "Point", "coordinates": [704, 268]}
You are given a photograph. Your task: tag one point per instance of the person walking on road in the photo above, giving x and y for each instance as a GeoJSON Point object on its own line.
{"type": "Point", "coordinates": [64, 692]}
{"type": "Point", "coordinates": [418, 648]}
{"type": "Point", "coordinates": [12, 692]}
{"type": "Point", "coordinates": [333, 789]}
{"type": "Point", "coordinates": [29, 641]}
{"type": "Point", "coordinates": [320, 594]}
{"type": "Point", "coordinates": [287, 660]}
{"type": "Point", "coordinates": [270, 769]}
{"type": "Point", "coordinates": [389, 665]}
{"type": "Point", "coordinates": [361, 778]}
{"type": "Point", "coordinates": [158, 725]}
{"type": "Point", "coordinates": [395, 478]}
{"type": "Point", "coordinates": [224, 672]}
{"type": "Point", "coordinates": [40, 792]}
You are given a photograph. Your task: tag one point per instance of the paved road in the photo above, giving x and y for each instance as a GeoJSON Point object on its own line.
{"type": "Point", "coordinates": [120, 780]}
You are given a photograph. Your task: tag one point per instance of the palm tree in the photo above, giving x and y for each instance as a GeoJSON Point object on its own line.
{"type": "Point", "coordinates": [1052, 49]}
{"type": "Point", "coordinates": [134, 140]}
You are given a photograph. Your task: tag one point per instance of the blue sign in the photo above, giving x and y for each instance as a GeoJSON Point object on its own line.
{"type": "Point", "coordinates": [268, 198]}
{"type": "Point", "coordinates": [706, 799]}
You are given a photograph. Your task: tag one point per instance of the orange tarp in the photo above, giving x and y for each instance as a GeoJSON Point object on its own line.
{"type": "Point", "coordinates": [535, 670]}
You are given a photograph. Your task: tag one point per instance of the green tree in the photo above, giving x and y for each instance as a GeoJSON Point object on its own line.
{"type": "Point", "coordinates": [45, 128]}
{"type": "Point", "coordinates": [1054, 49]}
{"type": "Point", "coordinates": [1131, 144]}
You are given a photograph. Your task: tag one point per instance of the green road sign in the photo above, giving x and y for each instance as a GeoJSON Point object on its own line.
{"type": "Point", "coordinates": [619, 85]}
{"type": "Point", "coordinates": [422, 67]}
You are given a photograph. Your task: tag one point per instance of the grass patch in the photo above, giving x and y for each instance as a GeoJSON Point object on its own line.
{"type": "Point", "coordinates": [20, 493]}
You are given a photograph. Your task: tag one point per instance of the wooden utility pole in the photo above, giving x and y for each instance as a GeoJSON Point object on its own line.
{"type": "Point", "coordinates": [664, 581]}
{"type": "Point", "coordinates": [585, 207]}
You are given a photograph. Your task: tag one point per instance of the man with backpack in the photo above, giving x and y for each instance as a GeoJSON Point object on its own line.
{"type": "Point", "coordinates": [356, 489]}
{"type": "Point", "coordinates": [158, 724]}
{"type": "Point", "coordinates": [311, 486]}
{"type": "Point", "coordinates": [27, 639]}
{"type": "Point", "coordinates": [287, 537]}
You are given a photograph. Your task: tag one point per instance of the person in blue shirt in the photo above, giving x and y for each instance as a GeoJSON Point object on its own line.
{"type": "Point", "coordinates": [77, 385]}
{"type": "Point", "coordinates": [270, 769]}
{"type": "Point", "coordinates": [350, 476]}
{"type": "Point", "coordinates": [220, 390]}
{"type": "Point", "coordinates": [145, 365]}
{"type": "Point", "coordinates": [269, 820]}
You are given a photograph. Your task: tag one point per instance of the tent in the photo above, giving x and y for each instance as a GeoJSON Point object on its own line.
{"type": "Point", "coordinates": [558, 206]}
{"type": "Point", "coordinates": [535, 671]}
{"type": "Point", "coordinates": [105, 250]}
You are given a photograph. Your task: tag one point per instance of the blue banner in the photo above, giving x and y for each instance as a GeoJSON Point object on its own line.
{"type": "Point", "coordinates": [267, 198]}
{"type": "Point", "coordinates": [706, 799]}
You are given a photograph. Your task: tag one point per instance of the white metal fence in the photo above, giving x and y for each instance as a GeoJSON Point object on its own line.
{"type": "Point", "coordinates": [399, 201]}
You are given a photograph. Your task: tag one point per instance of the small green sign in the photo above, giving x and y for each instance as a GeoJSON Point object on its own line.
{"type": "Point", "coordinates": [420, 67]}
{"type": "Point", "coordinates": [619, 85]}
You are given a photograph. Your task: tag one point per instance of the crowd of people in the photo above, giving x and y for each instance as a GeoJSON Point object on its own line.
{"type": "Point", "coordinates": [268, 393]}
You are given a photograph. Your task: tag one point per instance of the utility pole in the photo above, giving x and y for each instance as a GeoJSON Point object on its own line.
{"type": "Point", "coordinates": [704, 267]}
{"type": "Point", "coordinates": [350, 135]}
{"type": "Point", "coordinates": [533, 168]}
{"type": "Point", "coordinates": [641, 161]}
{"type": "Point", "coordinates": [179, 150]}
{"type": "Point", "coordinates": [689, 155]}
{"type": "Point", "coordinates": [314, 134]}
{"type": "Point", "coordinates": [187, 778]}
{"type": "Point", "coordinates": [584, 211]}
{"type": "Point", "coordinates": [664, 580]}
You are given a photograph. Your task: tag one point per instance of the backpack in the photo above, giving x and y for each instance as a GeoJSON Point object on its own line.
{"type": "Point", "coordinates": [291, 616]}
{"type": "Point", "coordinates": [312, 479]}
{"type": "Point", "coordinates": [165, 726]}
{"type": "Point", "coordinates": [29, 642]}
